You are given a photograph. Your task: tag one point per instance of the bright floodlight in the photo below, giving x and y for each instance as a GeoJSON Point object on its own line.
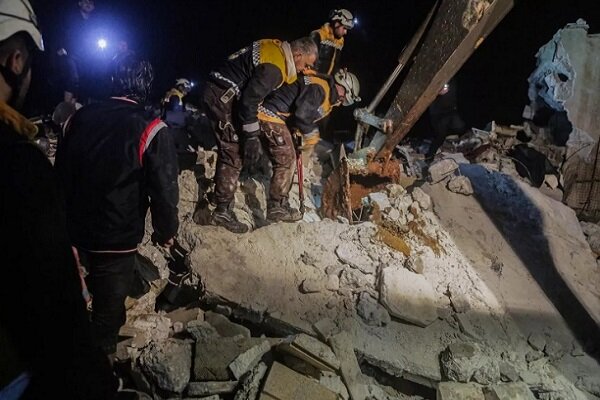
{"type": "Point", "coordinates": [355, 21]}
{"type": "Point", "coordinates": [102, 44]}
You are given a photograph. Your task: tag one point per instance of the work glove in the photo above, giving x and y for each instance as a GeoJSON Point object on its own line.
{"type": "Point", "coordinates": [252, 149]}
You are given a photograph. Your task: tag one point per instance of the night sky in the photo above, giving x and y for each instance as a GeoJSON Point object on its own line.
{"type": "Point", "coordinates": [189, 38]}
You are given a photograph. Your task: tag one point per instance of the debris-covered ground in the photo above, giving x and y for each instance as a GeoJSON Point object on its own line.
{"type": "Point", "coordinates": [473, 281]}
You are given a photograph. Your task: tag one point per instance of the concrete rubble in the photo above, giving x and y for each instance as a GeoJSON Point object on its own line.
{"type": "Point", "coordinates": [410, 303]}
{"type": "Point", "coordinates": [565, 82]}
{"type": "Point", "coordinates": [475, 282]}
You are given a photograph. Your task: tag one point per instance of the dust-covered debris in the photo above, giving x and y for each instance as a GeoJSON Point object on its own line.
{"type": "Point", "coordinates": [408, 296]}
{"type": "Point", "coordinates": [168, 363]}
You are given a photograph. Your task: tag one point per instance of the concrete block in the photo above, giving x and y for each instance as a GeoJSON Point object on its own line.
{"type": "Point", "coordinates": [460, 185]}
{"type": "Point", "coordinates": [214, 355]}
{"type": "Point", "coordinates": [168, 363]}
{"type": "Point", "coordinates": [460, 361]}
{"type": "Point", "coordinates": [250, 385]}
{"type": "Point", "coordinates": [248, 359]}
{"type": "Point", "coordinates": [459, 391]}
{"type": "Point", "coordinates": [325, 328]}
{"type": "Point", "coordinates": [381, 200]}
{"type": "Point", "coordinates": [312, 351]}
{"type": "Point", "coordinates": [509, 391]}
{"type": "Point", "coordinates": [351, 374]}
{"type": "Point", "coordinates": [285, 384]}
{"type": "Point", "coordinates": [408, 296]}
{"type": "Point", "coordinates": [442, 169]}
{"type": "Point", "coordinates": [201, 330]}
{"type": "Point", "coordinates": [224, 326]}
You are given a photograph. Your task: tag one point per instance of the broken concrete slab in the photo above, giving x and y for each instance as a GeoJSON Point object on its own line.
{"type": "Point", "coordinates": [461, 185]}
{"type": "Point", "coordinates": [224, 326]}
{"type": "Point", "coordinates": [214, 355]}
{"type": "Point", "coordinates": [250, 385]}
{"type": "Point", "coordinates": [442, 169]}
{"type": "Point", "coordinates": [248, 359]}
{"type": "Point", "coordinates": [285, 384]}
{"type": "Point", "coordinates": [351, 374]}
{"type": "Point", "coordinates": [168, 363]}
{"type": "Point", "coordinates": [201, 330]}
{"type": "Point", "coordinates": [509, 391]}
{"type": "Point", "coordinates": [408, 296]}
{"type": "Point", "coordinates": [459, 391]}
{"type": "Point", "coordinates": [211, 388]}
{"type": "Point", "coordinates": [312, 351]}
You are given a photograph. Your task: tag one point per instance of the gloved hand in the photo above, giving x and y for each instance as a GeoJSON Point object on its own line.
{"type": "Point", "coordinates": [252, 150]}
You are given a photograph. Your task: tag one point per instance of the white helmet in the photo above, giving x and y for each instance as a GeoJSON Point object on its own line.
{"type": "Point", "coordinates": [187, 85]}
{"type": "Point", "coordinates": [343, 16]}
{"type": "Point", "coordinates": [348, 81]}
{"type": "Point", "coordinates": [18, 16]}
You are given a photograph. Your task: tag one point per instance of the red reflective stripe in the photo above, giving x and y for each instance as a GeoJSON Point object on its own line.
{"type": "Point", "coordinates": [145, 136]}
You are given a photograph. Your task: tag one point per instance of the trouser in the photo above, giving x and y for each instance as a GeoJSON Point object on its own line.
{"type": "Point", "coordinates": [109, 281]}
{"type": "Point", "coordinates": [229, 161]}
{"type": "Point", "coordinates": [278, 144]}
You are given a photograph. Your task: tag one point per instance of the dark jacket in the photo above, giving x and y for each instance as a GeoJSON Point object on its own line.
{"type": "Point", "coordinates": [301, 104]}
{"type": "Point", "coordinates": [42, 311]}
{"type": "Point", "coordinates": [115, 162]}
{"type": "Point", "coordinates": [330, 49]}
{"type": "Point", "coordinates": [255, 71]}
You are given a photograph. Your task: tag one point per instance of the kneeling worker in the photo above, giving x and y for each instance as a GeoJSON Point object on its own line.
{"type": "Point", "coordinates": [298, 107]}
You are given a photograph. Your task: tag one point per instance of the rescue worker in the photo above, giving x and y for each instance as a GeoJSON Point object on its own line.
{"type": "Point", "coordinates": [247, 77]}
{"type": "Point", "coordinates": [115, 162]}
{"type": "Point", "coordinates": [173, 100]}
{"type": "Point", "coordinates": [45, 344]}
{"type": "Point", "coordinates": [330, 40]}
{"type": "Point", "coordinates": [298, 107]}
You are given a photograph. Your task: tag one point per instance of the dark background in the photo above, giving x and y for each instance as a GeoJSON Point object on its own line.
{"type": "Point", "coordinates": [187, 38]}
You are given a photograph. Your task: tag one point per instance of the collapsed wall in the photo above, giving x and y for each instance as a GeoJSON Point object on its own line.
{"type": "Point", "coordinates": [566, 80]}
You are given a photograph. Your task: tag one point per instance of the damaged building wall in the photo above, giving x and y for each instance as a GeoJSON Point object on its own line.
{"type": "Point", "coordinates": [567, 79]}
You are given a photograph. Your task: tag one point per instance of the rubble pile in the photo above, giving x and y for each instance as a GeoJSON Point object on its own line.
{"type": "Point", "coordinates": [386, 309]}
{"type": "Point", "coordinates": [474, 282]}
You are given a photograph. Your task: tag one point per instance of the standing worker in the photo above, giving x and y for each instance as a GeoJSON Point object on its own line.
{"type": "Point", "coordinates": [115, 162]}
{"type": "Point", "coordinates": [248, 76]}
{"type": "Point", "coordinates": [45, 345]}
{"type": "Point", "coordinates": [298, 107]}
{"type": "Point", "coordinates": [330, 40]}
